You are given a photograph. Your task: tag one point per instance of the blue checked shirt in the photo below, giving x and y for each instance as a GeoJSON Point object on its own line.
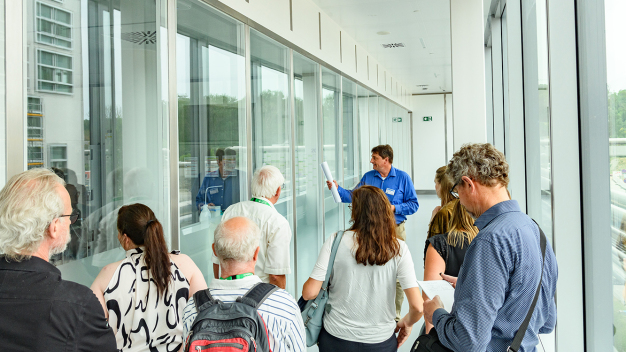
{"type": "Point", "coordinates": [497, 284]}
{"type": "Point", "coordinates": [397, 186]}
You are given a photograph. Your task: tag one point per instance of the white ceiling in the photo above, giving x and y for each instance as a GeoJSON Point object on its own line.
{"type": "Point", "coordinates": [406, 21]}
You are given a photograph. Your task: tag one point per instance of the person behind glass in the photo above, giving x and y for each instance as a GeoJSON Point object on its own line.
{"type": "Point", "coordinates": [145, 294]}
{"type": "Point", "coordinates": [220, 187]}
{"type": "Point", "coordinates": [440, 217]}
{"type": "Point", "coordinates": [444, 253]}
{"type": "Point", "coordinates": [370, 259]}
{"type": "Point", "coordinates": [39, 311]}
{"type": "Point", "coordinates": [398, 188]}
{"type": "Point", "coordinates": [274, 261]}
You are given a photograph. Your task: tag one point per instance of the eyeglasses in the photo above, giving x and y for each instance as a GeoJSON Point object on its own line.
{"type": "Point", "coordinates": [454, 193]}
{"type": "Point", "coordinates": [73, 217]}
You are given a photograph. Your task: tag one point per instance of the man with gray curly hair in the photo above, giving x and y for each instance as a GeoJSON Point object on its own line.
{"type": "Point", "coordinates": [274, 261]}
{"type": "Point", "coordinates": [503, 265]}
{"type": "Point", "coordinates": [236, 245]}
{"type": "Point", "coordinates": [38, 310]}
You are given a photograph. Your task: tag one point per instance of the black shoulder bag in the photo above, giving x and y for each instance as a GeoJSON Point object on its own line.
{"type": "Point", "coordinates": [431, 343]}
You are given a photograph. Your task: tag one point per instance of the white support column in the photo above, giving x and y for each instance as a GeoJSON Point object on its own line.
{"type": "Point", "coordinates": [468, 71]}
{"type": "Point", "coordinates": [567, 229]}
{"type": "Point", "coordinates": [15, 47]}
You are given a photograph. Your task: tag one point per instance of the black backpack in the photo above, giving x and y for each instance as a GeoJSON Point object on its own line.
{"type": "Point", "coordinates": [235, 326]}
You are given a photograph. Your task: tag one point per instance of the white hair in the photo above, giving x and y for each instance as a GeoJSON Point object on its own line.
{"type": "Point", "coordinates": [266, 181]}
{"type": "Point", "coordinates": [236, 243]}
{"type": "Point", "coordinates": [29, 202]}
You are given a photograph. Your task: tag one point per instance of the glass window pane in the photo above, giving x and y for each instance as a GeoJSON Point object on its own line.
{"type": "Point", "coordinates": [212, 124]}
{"type": "Point", "coordinates": [373, 116]}
{"type": "Point", "coordinates": [364, 130]}
{"type": "Point", "coordinates": [62, 31]}
{"type": "Point", "coordinates": [113, 127]}
{"type": "Point", "coordinates": [44, 26]}
{"type": "Point", "coordinates": [350, 143]}
{"type": "Point", "coordinates": [271, 118]}
{"type": "Point", "coordinates": [63, 17]}
{"type": "Point", "coordinates": [616, 89]}
{"type": "Point", "coordinates": [46, 73]}
{"type": "Point", "coordinates": [63, 61]}
{"type": "Point", "coordinates": [331, 85]}
{"type": "Point", "coordinates": [309, 180]}
{"type": "Point", "coordinates": [3, 142]}
{"type": "Point", "coordinates": [45, 11]}
{"type": "Point", "coordinates": [46, 58]}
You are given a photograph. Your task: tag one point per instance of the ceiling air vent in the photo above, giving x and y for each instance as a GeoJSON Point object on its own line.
{"type": "Point", "coordinates": [393, 45]}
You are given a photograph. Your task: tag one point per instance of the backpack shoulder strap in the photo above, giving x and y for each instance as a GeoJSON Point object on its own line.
{"type": "Point", "coordinates": [202, 297]}
{"type": "Point", "coordinates": [257, 294]}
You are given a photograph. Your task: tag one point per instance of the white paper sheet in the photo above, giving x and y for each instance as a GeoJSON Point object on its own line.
{"type": "Point", "coordinates": [329, 177]}
{"type": "Point", "coordinates": [440, 288]}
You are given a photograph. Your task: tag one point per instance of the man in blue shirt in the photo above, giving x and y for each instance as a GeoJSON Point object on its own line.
{"type": "Point", "coordinates": [220, 187]}
{"type": "Point", "coordinates": [398, 187]}
{"type": "Point", "coordinates": [502, 266]}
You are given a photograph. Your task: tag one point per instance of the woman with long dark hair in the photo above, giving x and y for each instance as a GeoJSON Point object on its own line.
{"type": "Point", "coordinates": [144, 295]}
{"type": "Point", "coordinates": [362, 289]}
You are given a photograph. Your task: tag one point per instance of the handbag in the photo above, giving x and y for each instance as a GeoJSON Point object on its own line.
{"type": "Point", "coordinates": [313, 312]}
{"type": "Point", "coordinates": [431, 343]}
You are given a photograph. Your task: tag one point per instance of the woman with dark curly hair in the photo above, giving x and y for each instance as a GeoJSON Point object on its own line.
{"type": "Point", "coordinates": [362, 289]}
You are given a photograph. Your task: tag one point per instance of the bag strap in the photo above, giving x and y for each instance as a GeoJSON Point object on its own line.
{"type": "Point", "coordinates": [519, 336]}
{"type": "Point", "coordinates": [202, 297]}
{"type": "Point", "coordinates": [331, 259]}
{"type": "Point", "coordinates": [257, 294]}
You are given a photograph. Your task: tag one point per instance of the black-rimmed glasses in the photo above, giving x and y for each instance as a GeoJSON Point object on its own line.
{"type": "Point", "coordinates": [454, 193]}
{"type": "Point", "coordinates": [73, 217]}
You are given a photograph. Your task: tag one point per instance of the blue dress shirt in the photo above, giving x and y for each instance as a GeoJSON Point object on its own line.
{"type": "Point", "coordinates": [497, 284]}
{"type": "Point", "coordinates": [397, 186]}
{"type": "Point", "coordinates": [222, 192]}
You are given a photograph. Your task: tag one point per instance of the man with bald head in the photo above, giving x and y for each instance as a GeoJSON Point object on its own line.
{"type": "Point", "coordinates": [38, 310]}
{"type": "Point", "coordinates": [236, 245]}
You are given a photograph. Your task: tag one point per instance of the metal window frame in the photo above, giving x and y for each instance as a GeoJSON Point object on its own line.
{"type": "Point", "coordinates": [54, 23]}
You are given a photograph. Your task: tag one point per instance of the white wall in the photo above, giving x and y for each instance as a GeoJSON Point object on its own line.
{"type": "Point", "coordinates": [274, 15]}
{"type": "Point", "coordinates": [429, 138]}
{"type": "Point", "coordinates": [468, 71]}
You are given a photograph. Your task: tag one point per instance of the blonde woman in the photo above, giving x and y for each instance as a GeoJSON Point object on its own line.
{"type": "Point", "coordinates": [444, 253]}
{"type": "Point", "coordinates": [441, 214]}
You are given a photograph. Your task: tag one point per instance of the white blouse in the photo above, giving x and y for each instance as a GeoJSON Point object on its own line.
{"type": "Point", "coordinates": [362, 297]}
{"type": "Point", "coordinates": [141, 320]}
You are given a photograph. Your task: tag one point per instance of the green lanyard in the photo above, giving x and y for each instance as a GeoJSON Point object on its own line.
{"type": "Point", "coordinates": [235, 277]}
{"type": "Point", "coordinates": [261, 201]}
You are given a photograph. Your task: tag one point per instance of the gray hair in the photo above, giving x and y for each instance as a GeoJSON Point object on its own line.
{"type": "Point", "coordinates": [236, 243]}
{"type": "Point", "coordinates": [481, 162]}
{"type": "Point", "coordinates": [266, 181]}
{"type": "Point", "coordinates": [29, 202]}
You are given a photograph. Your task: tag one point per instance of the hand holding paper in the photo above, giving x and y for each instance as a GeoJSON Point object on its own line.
{"type": "Point", "coordinates": [440, 288]}
{"type": "Point", "coordinates": [329, 177]}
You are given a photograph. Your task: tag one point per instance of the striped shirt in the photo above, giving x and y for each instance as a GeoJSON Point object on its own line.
{"type": "Point", "coordinates": [279, 311]}
{"type": "Point", "coordinates": [497, 284]}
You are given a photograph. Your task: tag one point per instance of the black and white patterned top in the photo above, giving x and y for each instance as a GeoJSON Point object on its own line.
{"type": "Point", "coordinates": [141, 319]}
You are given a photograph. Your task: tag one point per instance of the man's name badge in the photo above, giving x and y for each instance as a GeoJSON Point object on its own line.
{"type": "Point", "coordinates": [390, 191]}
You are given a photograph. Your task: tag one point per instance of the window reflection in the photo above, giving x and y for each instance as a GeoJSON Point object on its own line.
{"type": "Point", "coordinates": [95, 116]}
{"type": "Point", "coordinates": [350, 143]}
{"type": "Point", "coordinates": [331, 85]}
{"type": "Point", "coordinates": [308, 185]}
{"type": "Point", "coordinates": [616, 89]}
{"type": "Point", "coordinates": [271, 119]}
{"type": "Point", "coordinates": [211, 124]}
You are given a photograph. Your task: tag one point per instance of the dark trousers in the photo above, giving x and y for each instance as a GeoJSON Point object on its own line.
{"type": "Point", "coordinates": [328, 342]}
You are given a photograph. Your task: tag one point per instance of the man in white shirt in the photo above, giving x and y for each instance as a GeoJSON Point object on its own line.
{"type": "Point", "coordinates": [274, 256]}
{"type": "Point", "coordinates": [236, 246]}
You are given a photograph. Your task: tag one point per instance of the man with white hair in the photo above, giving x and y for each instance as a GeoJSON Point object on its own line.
{"type": "Point", "coordinates": [274, 257]}
{"type": "Point", "coordinates": [236, 245]}
{"type": "Point", "coordinates": [38, 310]}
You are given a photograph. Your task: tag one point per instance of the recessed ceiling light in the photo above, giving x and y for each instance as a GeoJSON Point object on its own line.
{"type": "Point", "coordinates": [382, 33]}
